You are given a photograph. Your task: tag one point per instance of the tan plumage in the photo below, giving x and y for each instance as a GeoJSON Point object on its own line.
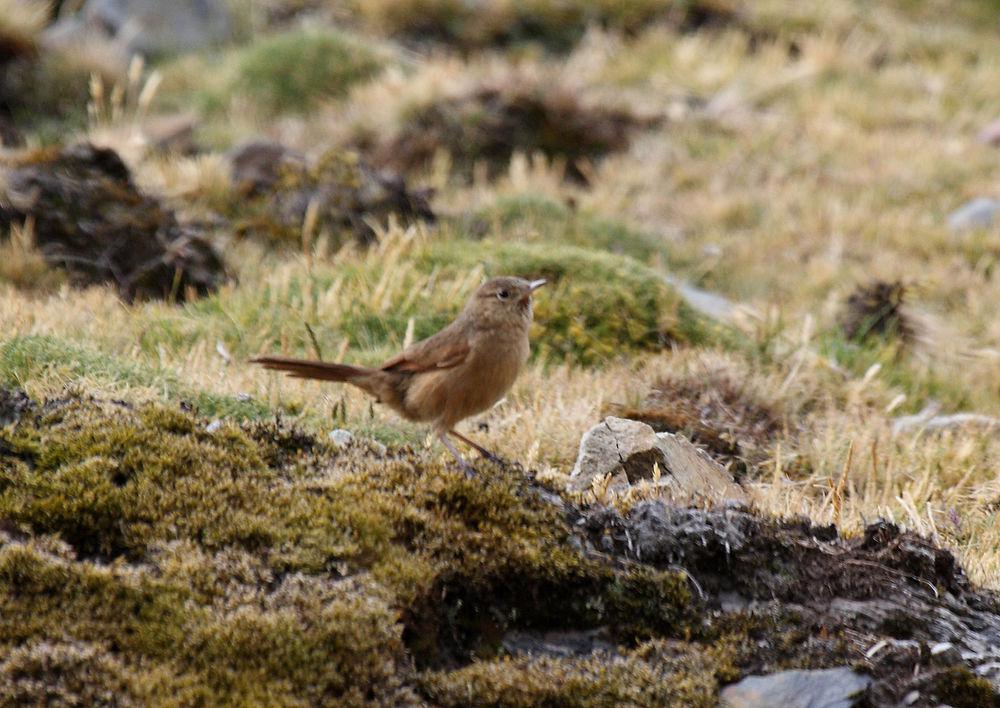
{"type": "Point", "coordinates": [456, 373]}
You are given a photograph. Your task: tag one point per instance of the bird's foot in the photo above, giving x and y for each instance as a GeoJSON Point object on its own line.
{"type": "Point", "coordinates": [470, 471]}
{"type": "Point", "coordinates": [495, 459]}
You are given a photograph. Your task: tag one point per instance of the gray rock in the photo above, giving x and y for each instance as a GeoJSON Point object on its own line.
{"type": "Point", "coordinates": [628, 450]}
{"type": "Point", "coordinates": [693, 475]}
{"type": "Point", "coordinates": [945, 654]}
{"type": "Point", "coordinates": [148, 27]}
{"type": "Point", "coordinates": [990, 134]}
{"type": "Point", "coordinates": [978, 213]}
{"type": "Point", "coordinates": [829, 688]}
{"type": "Point", "coordinates": [341, 437]}
{"type": "Point", "coordinates": [618, 447]}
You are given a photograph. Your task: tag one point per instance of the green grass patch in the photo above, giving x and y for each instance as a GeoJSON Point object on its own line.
{"type": "Point", "coordinates": [291, 72]}
{"type": "Point", "coordinates": [36, 357]}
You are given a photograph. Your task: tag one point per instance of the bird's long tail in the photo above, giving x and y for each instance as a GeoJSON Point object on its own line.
{"type": "Point", "coordinates": [305, 369]}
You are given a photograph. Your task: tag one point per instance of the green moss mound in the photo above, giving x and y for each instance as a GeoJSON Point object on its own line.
{"type": "Point", "coordinates": [292, 72]}
{"type": "Point", "coordinates": [145, 554]}
{"type": "Point", "coordinates": [648, 676]}
{"type": "Point", "coordinates": [598, 306]}
{"type": "Point", "coordinates": [534, 218]}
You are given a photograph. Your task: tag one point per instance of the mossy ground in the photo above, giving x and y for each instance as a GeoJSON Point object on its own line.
{"type": "Point", "coordinates": [254, 563]}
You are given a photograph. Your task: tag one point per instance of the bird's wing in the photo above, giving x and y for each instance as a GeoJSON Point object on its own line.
{"type": "Point", "coordinates": [443, 350]}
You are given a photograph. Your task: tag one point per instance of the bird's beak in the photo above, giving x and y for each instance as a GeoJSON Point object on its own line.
{"type": "Point", "coordinates": [535, 284]}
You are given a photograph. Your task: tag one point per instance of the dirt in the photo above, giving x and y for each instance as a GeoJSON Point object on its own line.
{"type": "Point", "coordinates": [350, 197]}
{"type": "Point", "coordinates": [489, 124]}
{"type": "Point", "coordinates": [884, 602]}
{"type": "Point", "coordinates": [89, 218]}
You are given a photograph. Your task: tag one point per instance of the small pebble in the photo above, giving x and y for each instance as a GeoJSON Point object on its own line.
{"type": "Point", "coordinates": [213, 426]}
{"type": "Point", "coordinates": [977, 213]}
{"type": "Point", "coordinates": [341, 437]}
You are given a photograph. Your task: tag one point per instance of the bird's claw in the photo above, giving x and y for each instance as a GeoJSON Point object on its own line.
{"type": "Point", "coordinates": [496, 460]}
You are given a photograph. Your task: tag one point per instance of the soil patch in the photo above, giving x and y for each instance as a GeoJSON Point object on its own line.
{"type": "Point", "coordinates": [88, 218]}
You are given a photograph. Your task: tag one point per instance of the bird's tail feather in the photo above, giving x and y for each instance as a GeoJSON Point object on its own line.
{"type": "Point", "coordinates": [305, 369]}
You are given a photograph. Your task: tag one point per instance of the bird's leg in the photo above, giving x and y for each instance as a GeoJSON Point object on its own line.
{"type": "Point", "coordinates": [479, 448]}
{"type": "Point", "coordinates": [466, 467]}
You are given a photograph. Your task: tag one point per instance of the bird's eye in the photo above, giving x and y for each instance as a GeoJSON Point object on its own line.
{"type": "Point", "coordinates": [503, 294]}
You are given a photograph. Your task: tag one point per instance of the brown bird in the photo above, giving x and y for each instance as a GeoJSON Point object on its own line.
{"type": "Point", "coordinates": [458, 372]}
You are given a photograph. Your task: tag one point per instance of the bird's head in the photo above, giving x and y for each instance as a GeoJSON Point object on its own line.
{"type": "Point", "coordinates": [504, 299]}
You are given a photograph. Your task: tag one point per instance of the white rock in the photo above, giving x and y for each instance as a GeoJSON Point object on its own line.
{"type": "Point", "coordinates": [977, 213]}
{"type": "Point", "coordinates": [341, 437]}
{"type": "Point", "coordinates": [615, 446]}
{"type": "Point", "coordinates": [629, 451]}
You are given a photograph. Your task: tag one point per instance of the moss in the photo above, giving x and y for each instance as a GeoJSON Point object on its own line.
{"type": "Point", "coordinates": [536, 218]}
{"type": "Point", "coordinates": [648, 676]}
{"type": "Point", "coordinates": [958, 686]}
{"type": "Point", "coordinates": [112, 480]}
{"type": "Point", "coordinates": [287, 73]}
{"type": "Point", "coordinates": [258, 565]}
{"type": "Point", "coordinates": [292, 72]}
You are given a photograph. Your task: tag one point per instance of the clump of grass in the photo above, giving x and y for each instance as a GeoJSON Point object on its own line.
{"type": "Point", "coordinates": [62, 362]}
{"type": "Point", "coordinates": [877, 309]}
{"type": "Point", "coordinates": [536, 218]}
{"type": "Point", "coordinates": [337, 197]}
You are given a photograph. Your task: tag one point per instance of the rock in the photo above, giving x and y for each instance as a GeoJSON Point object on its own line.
{"type": "Point", "coordinates": [171, 133]}
{"type": "Point", "coordinates": [628, 450]}
{"type": "Point", "coordinates": [990, 134]}
{"type": "Point", "coordinates": [341, 437]}
{"type": "Point", "coordinates": [978, 213]}
{"type": "Point", "coordinates": [149, 27]}
{"type": "Point", "coordinates": [693, 475]}
{"type": "Point", "coordinates": [616, 446]}
{"type": "Point", "coordinates": [92, 221]}
{"type": "Point", "coordinates": [14, 403]}
{"type": "Point", "coordinates": [945, 654]}
{"type": "Point", "coordinates": [929, 420]}
{"type": "Point", "coordinates": [828, 688]}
